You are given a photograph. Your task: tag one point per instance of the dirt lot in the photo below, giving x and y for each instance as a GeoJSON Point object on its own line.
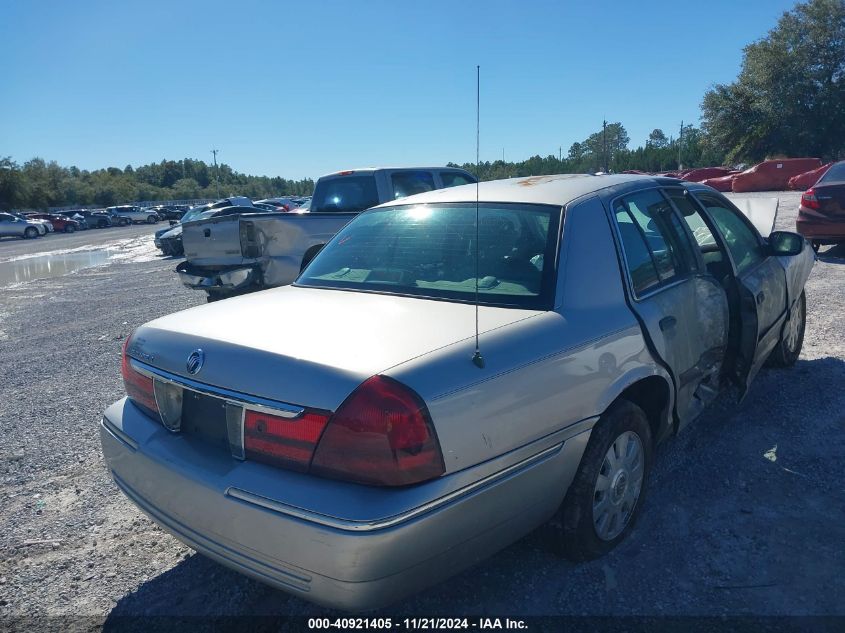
{"type": "Point", "coordinates": [746, 512]}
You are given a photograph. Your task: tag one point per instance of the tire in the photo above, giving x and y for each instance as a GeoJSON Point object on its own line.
{"type": "Point", "coordinates": [30, 233]}
{"type": "Point", "coordinates": [70, 228]}
{"type": "Point", "coordinates": [102, 224]}
{"type": "Point", "coordinates": [594, 521]}
{"type": "Point", "coordinates": [152, 219]}
{"type": "Point", "coordinates": [791, 340]}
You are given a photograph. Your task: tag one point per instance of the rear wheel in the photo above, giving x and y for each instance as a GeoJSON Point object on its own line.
{"type": "Point", "coordinates": [152, 219]}
{"type": "Point", "coordinates": [102, 224]}
{"type": "Point", "coordinates": [606, 495]}
{"type": "Point", "coordinates": [70, 228]}
{"type": "Point", "coordinates": [30, 233]}
{"type": "Point", "coordinates": [792, 338]}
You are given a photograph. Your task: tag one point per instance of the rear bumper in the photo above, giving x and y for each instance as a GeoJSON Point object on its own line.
{"type": "Point", "coordinates": [340, 545]}
{"type": "Point", "coordinates": [816, 226]}
{"type": "Point", "coordinates": [229, 280]}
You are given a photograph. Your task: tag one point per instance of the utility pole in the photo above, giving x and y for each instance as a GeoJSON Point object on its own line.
{"type": "Point", "coordinates": [680, 144]}
{"type": "Point", "coordinates": [216, 171]}
{"type": "Point", "coordinates": [560, 153]}
{"type": "Point", "coordinates": [503, 154]}
{"type": "Point", "coordinates": [604, 144]}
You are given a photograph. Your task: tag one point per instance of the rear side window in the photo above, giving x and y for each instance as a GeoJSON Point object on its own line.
{"type": "Point", "coordinates": [408, 183]}
{"type": "Point", "coordinates": [655, 246]}
{"type": "Point", "coordinates": [345, 194]}
{"type": "Point", "coordinates": [454, 179]}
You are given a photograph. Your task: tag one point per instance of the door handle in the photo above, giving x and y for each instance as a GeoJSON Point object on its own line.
{"type": "Point", "coordinates": [761, 297]}
{"type": "Point", "coordinates": [667, 323]}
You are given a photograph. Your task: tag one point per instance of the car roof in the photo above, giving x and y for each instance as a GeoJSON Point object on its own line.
{"type": "Point", "coordinates": [557, 189]}
{"type": "Point", "coordinates": [346, 172]}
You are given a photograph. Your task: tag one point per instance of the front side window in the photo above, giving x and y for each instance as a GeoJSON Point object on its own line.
{"type": "Point", "coordinates": [656, 247]}
{"type": "Point", "coordinates": [430, 251]}
{"type": "Point", "coordinates": [345, 194]}
{"type": "Point", "coordinates": [408, 183]}
{"type": "Point", "coordinates": [740, 238]}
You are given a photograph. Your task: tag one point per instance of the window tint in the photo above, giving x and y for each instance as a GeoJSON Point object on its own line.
{"type": "Point", "coordinates": [652, 229]}
{"type": "Point", "coordinates": [349, 194]}
{"type": "Point", "coordinates": [640, 263]}
{"type": "Point", "coordinates": [836, 173]}
{"type": "Point", "coordinates": [430, 251]}
{"type": "Point", "coordinates": [740, 238]}
{"type": "Point", "coordinates": [407, 183]}
{"type": "Point", "coordinates": [453, 179]}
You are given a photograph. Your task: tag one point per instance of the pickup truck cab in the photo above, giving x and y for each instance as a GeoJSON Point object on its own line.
{"type": "Point", "coordinates": [235, 254]}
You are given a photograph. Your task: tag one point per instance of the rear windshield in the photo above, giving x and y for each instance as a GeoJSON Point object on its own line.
{"type": "Point", "coordinates": [345, 194]}
{"type": "Point", "coordinates": [836, 173]}
{"type": "Point", "coordinates": [430, 251]}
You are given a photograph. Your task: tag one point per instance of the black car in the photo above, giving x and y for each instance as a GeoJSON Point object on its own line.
{"type": "Point", "coordinates": [92, 220]}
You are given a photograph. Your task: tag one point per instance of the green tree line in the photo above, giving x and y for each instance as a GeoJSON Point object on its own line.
{"type": "Point", "coordinates": [607, 150]}
{"type": "Point", "coordinates": [38, 184]}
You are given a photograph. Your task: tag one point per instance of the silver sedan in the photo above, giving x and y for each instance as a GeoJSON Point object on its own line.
{"type": "Point", "coordinates": [447, 375]}
{"type": "Point", "coordinates": [14, 226]}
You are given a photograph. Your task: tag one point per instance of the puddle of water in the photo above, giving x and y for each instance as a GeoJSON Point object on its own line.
{"type": "Point", "coordinates": [49, 265]}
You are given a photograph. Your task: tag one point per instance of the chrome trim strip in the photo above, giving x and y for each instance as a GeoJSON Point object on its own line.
{"type": "Point", "coordinates": [262, 405]}
{"type": "Point", "coordinates": [119, 435]}
{"type": "Point", "coordinates": [380, 524]}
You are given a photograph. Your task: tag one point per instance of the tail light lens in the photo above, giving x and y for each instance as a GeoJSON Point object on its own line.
{"type": "Point", "coordinates": [809, 200]}
{"type": "Point", "coordinates": [139, 387]}
{"type": "Point", "coordinates": [382, 434]}
{"type": "Point", "coordinates": [282, 441]}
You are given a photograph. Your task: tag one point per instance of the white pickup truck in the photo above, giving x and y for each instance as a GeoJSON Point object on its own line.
{"type": "Point", "coordinates": [234, 254]}
{"type": "Point", "coordinates": [132, 214]}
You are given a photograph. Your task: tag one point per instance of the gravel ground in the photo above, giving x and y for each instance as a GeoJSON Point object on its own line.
{"type": "Point", "coordinates": [746, 511]}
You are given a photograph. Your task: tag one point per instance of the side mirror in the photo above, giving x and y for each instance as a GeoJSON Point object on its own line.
{"type": "Point", "coordinates": [786, 243]}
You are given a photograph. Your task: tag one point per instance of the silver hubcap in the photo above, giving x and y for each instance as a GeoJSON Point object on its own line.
{"type": "Point", "coordinates": [618, 485]}
{"type": "Point", "coordinates": [793, 329]}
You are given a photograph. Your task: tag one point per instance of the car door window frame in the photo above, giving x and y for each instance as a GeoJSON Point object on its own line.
{"type": "Point", "coordinates": [708, 222]}
{"type": "Point", "coordinates": [714, 228]}
{"type": "Point", "coordinates": [678, 278]}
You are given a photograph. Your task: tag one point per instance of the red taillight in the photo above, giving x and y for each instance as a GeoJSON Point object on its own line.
{"type": "Point", "coordinates": [139, 388]}
{"type": "Point", "coordinates": [282, 441]}
{"type": "Point", "coordinates": [809, 200]}
{"type": "Point", "coordinates": [381, 434]}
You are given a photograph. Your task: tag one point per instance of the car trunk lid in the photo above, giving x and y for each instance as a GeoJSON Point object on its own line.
{"type": "Point", "coordinates": [831, 198]}
{"type": "Point", "coordinates": [306, 346]}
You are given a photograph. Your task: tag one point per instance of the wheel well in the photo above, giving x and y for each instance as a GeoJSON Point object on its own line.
{"type": "Point", "coordinates": [651, 394]}
{"type": "Point", "coordinates": [309, 255]}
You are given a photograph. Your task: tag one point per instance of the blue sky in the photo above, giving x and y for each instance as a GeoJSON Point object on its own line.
{"type": "Point", "coordinates": [299, 89]}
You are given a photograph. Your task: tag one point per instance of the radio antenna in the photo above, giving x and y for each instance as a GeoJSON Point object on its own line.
{"type": "Point", "coordinates": [477, 358]}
